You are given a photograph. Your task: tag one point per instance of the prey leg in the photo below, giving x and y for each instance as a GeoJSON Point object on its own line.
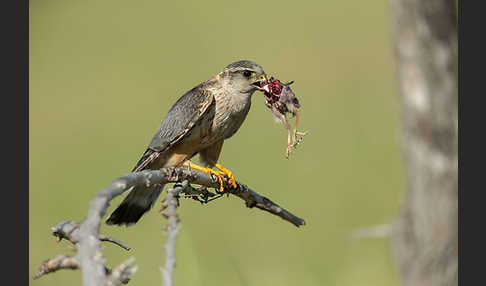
{"type": "Point", "coordinates": [295, 140]}
{"type": "Point", "coordinates": [289, 137]}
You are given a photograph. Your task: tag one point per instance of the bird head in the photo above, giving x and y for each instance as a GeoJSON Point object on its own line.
{"type": "Point", "coordinates": [243, 76]}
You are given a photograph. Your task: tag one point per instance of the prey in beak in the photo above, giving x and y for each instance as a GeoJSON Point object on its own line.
{"type": "Point", "coordinates": [260, 82]}
{"type": "Point", "coordinates": [281, 100]}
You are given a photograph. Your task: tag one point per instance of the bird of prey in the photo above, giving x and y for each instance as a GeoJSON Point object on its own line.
{"type": "Point", "coordinates": [198, 123]}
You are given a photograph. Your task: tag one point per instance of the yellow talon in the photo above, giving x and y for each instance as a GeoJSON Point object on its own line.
{"type": "Point", "coordinates": [230, 175]}
{"type": "Point", "coordinates": [224, 171]}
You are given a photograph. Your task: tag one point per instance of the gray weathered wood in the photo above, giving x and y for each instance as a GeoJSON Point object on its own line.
{"type": "Point", "coordinates": [425, 237]}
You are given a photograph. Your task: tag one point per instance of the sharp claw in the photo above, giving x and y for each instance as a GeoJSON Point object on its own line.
{"type": "Point", "coordinates": [227, 174]}
{"type": "Point", "coordinates": [220, 181]}
{"type": "Point", "coordinates": [232, 180]}
{"type": "Point", "coordinates": [221, 184]}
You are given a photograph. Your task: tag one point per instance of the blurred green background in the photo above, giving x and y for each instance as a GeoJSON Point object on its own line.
{"type": "Point", "coordinates": [103, 74]}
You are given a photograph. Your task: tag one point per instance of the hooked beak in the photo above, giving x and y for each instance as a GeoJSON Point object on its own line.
{"type": "Point", "coordinates": [260, 81]}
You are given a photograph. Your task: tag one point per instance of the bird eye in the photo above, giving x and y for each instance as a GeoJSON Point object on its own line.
{"type": "Point", "coordinates": [247, 73]}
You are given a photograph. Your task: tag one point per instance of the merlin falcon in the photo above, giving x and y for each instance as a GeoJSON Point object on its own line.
{"type": "Point", "coordinates": [198, 123]}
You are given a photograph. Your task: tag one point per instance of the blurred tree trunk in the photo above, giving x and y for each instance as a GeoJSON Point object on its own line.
{"type": "Point", "coordinates": [424, 239]}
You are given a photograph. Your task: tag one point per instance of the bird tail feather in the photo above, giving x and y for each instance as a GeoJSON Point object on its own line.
{"type": "Point", "coordinates": [136, 203]}
{"type": "Point", "coordinates": [139, 199]}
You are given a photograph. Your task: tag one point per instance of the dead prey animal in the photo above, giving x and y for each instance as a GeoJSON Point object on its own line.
{"type": "Point", "coordinates": [281, 100]}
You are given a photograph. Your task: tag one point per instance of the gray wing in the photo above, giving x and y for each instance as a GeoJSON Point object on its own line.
{"type": "Point", "coordinates": [181, 118]}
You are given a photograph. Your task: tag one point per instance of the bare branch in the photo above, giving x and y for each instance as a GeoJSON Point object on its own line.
{"type": "Point", "coordinates": [171, 199]}
{"type": "Point", "coordinates": [115, 241]}
{"type": "Point", "coordinates": [57, 263]}
{"type": "Point", "coordinates": [375, 231]}
{"type": "Point", "coordinates": [253, 199]}
{"type": "Point", "coordinates": [121, 274]}
{"type": "Point", "coordinates": [69, 230]}
{"type": "Point", "coordinates": [90, 257]}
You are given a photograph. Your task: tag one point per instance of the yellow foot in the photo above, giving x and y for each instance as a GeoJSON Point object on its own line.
{"type": "Point", "coordinates": [228, 173]}
{"type": "Point", "coordinates": [224, 173]}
